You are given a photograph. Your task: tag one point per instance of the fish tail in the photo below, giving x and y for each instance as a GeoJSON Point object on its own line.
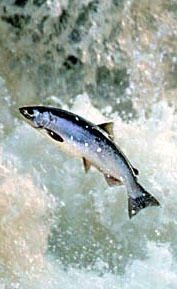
{"type": "Point", "coordinates": [143, 200]}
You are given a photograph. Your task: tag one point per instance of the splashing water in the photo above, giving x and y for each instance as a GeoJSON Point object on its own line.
{"type": "Point", "coordinates": [62, 228]}
{"type": "Point", "coordinates": [59, 227]}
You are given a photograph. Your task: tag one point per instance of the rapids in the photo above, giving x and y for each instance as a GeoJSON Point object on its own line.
{"type": "Point", "coordinates": [62, 228]}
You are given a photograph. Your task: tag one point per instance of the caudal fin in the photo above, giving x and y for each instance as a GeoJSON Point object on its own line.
{"type": "Point", "coordinates": [143, 200]}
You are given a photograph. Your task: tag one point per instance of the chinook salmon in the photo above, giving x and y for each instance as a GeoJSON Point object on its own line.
{"type": "Point", "coordinates": [95, 145]}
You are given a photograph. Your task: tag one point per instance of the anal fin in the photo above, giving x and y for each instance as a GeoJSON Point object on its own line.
{"type": "Point", "coordinates": [112, 181]}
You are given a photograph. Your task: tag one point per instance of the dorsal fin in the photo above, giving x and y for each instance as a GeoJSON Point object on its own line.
{"type": "Point", "coordinates": [107, 127]}
{"type": "Point", "coordinates": [86, 164]}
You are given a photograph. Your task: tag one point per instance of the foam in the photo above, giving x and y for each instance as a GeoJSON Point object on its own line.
{"type": "Point", "coordinates": [62, 228]}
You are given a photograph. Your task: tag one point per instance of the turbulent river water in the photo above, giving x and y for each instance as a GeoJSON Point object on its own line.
{"type": "Point", "coordinates": [61, 228]}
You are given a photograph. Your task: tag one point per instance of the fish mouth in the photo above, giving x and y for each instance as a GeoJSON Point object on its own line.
{"type": "Point", "coordinates": [27, 112]}
{"type": "Point", "coordinates": [31, 115]}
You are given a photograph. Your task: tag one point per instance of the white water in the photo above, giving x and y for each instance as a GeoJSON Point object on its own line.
{"type": "Point", "coordinates": [62, 228]}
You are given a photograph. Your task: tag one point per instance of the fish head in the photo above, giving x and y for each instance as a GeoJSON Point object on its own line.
{"type": "Point", "coordinates": [36, 116]}
{"type": "Point", "coordinates": [50, 121]}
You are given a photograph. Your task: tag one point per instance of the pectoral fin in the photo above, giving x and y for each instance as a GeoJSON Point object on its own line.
{"type": "Point", "coordinates": [107, 127]}
{"type": "Point", "coordinates": [54, 135]}
{"type": "Point", "coordinates": [86, 164]}
{"type": "Point", "coordinates": [112, 181]}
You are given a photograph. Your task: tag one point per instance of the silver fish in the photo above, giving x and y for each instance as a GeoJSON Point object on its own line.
{"type": "Point", "coordinates": [95, 145]}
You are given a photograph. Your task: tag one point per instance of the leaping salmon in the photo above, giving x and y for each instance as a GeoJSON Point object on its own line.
{"type": "Point", "coordinates": [95, 145]}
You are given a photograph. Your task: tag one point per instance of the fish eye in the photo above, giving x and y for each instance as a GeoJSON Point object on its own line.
{"type": "Point", "coordinates": [25, 111]}
{"type": "Point", "coordinates": [29, 112]}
